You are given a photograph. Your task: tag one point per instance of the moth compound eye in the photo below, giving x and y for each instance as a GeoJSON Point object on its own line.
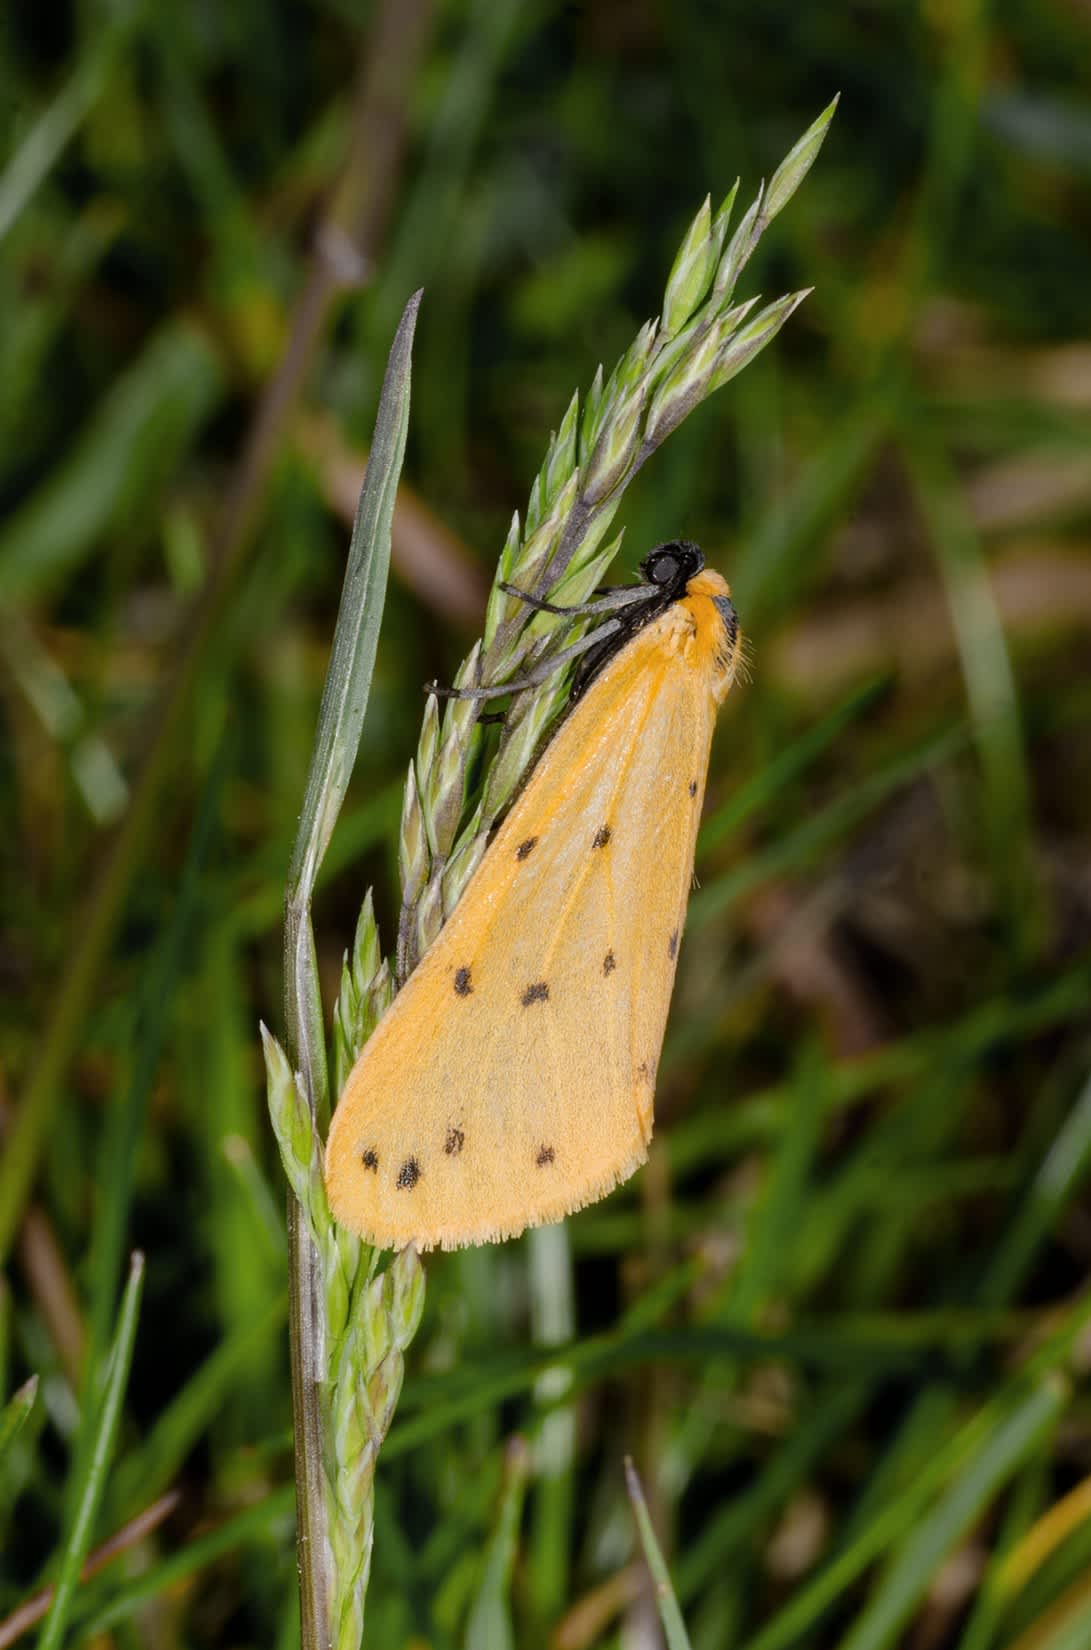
{"type": "Point", "coordinates": [664, 570]}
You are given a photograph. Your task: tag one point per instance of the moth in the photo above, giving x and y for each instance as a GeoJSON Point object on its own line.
{"type": "Point", "coordinates": [512, 1080]}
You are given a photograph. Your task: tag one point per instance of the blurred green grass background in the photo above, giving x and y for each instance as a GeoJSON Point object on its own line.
{"type": "Point", "coordinates": [840, 1321]}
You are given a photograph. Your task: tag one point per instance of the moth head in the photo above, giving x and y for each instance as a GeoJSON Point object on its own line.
{"type": "Point", "coordinates": [671, 566]}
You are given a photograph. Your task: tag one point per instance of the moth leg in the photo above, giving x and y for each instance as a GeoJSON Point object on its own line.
{"type": "Point", "coordinates": [533, 678]}
{"type": "Point", "coordinates": [612, 599]}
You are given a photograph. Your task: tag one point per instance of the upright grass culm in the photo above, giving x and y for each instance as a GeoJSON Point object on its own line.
{"type": "Point", "coordinates": [351, 1322]}
{"type": "Point", "coordinates": [348, 1327]}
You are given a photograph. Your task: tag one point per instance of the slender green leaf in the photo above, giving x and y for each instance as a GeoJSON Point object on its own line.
{"type": "Point", "coordinates": [669, 1613]}
{"type": "Point", "coordinates": [15, 1413]}
{"type": "Point", "coordinates": [489, 1626]}
{"type": "Point", "coordinates": [254, 1523]}
{"type": "Point", "coordinates": [40, 148]}
{"type": "Point", "coordinates": [1016, 1425]}
{"type": "Point", "coordinates": [118, 464]}
{"type": "Point", "coordinates": [125, 1120]}
{"type": "Point", "coordinates": [356, 638]}
{"type": "Point", "coordinates": [92, 1485]}
{"type": "Point", "coordinates": [187, 1418]}
{"type": "Point", "coordinates": [963, 1503]}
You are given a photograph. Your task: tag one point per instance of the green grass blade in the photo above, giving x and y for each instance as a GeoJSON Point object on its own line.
{"type": "Point", "coordinates": [5, 1331]}
{"type": "Point", "coordinates": [190, 1414]}
{"type": "Point", "coordinates": [773, 565]}
{"type": "Point", "coordinates": [792, 762]}
{"type": "Point", "coordinates": [776, 1217]}
{"type": "Point", "coordinates": [1005, 817]}
{"type": "Point", "coordinates": [669, 1613]}
{"type": "Point", "coordinates": [344, 703]}
{"type": "Point", "coordinates": [15, 1413]}
{"type": "Point", "coordinates": [365, 825]}
{"type": "Point", "coordinates": [1018, 1425]}
{"type": "Point", "coordinates": [798, 848]}
{"type": "Point", "coordinates": [1066, 1626]}
{"type": "Point", "coordinates": [356, 638]}
{"type": "Point", "coordinates": [254, 1523]}
{"type": "Point", "coordinates": [916, 1565]}
{"type": "Point", "coordinates": [118, 464]}
{"type": "Point", "coordinates": [998, 1022]}
{"type": "Point", "coordinates": [44, 143]}
{"type": "Point", "coordinates": [993, 1601]}
{"type": "Point", "coordinates": [1060, 1175]}
{"type": "Point", "coordinates": [489, 1626]}
{"type": "Point", "coordinates": [726, 1533]}
{"type": "Point", "coordinates": [89, 1491]}
{"type": "Point", "coordinates": [125, 1119]}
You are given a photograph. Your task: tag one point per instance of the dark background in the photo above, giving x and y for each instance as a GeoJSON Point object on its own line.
{"type": "Point", "coordinates": [865, 1213]}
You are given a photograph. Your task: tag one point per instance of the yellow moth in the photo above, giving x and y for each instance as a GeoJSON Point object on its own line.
{"type": "Point", "coordinates": [512, 1079]}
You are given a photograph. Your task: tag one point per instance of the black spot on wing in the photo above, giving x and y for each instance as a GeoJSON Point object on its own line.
{"type": "Point", "coordinates": [370, 1159]}
{"type": "Point", "coordinates": [545, 1156]}
{"type": "Point", "coordinates": [609, 963]}
{"type": "Point", "coordinates": [408, 1174]}
{"type": "Point", "coordinates": [526, 848]}
{"type": "Point", "coordinates": [602, 836]}
{"type": "Point", "coordinates": [536, 993]}
{"type": "Point", "coordinates": [645, 1073]}
{"type": "Point", "coordinates": [672, 946]}
{"type": "Point", "coordinates": [463, 982]}
{"type": "Point", "coordinates": [693, 787]}
{"type": "Point", "coordinates": [454, 1142]}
